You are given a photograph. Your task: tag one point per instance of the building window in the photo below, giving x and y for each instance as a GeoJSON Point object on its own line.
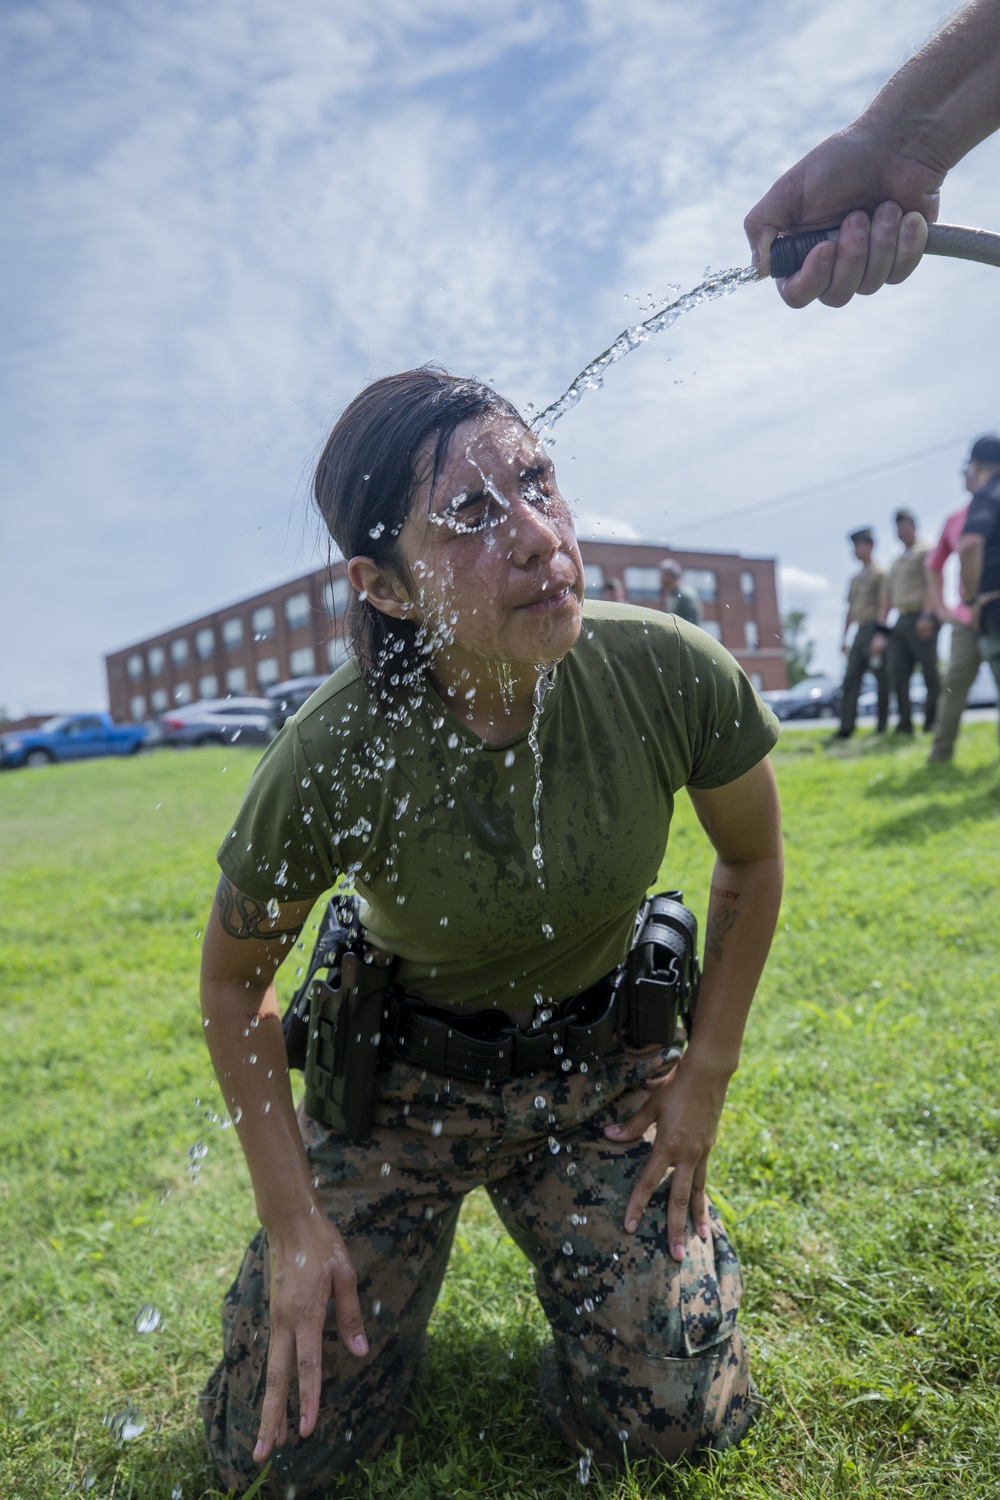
{"type": "Point", "coordinates": [336, 592]}
{"type": "Point", "coordinates": [204, 643]}
{"type": "Point", "coordinates": [208, 686]}
{"type": "Point", "coordinates": [179, 651]}
{"type": "Point", "coordinates": [137, 708]}
{"type": "Point", "coordinates": [135, 668]}
{"type": "Point", "coordinates": [160, 700]}
{"type": "Point", "coordinates": [336, 653]}
{"type": "Point", "coordinates": [155, 659]}
{"type": "Point", "coordinates": [182, 693]}
{"type": "Point", "coordinates": [713, 628]}
{"type": "Point", "coordinates": [704, 583]}
{"type": "Point", "coordinates": [750, 635]}
{"type": "Point", "coordinates": [267, 671]}
{"type": "Point", "coordinates": [262, 622]}
{"type": "Point", "coordinates": [297, 611]}
{"type": "Point", "coordinates": [232, 632]}
{"type": "Point", "coordinates": [593, 579]}
{"type": "Point", "coordinates": [748, 585]}
{"type": "Point", "coordinates": [236, 680]}
{"type": "Point", "coordinates": [756, 681]}
{"type": "Point", "coordinates": [302, 661]}
{"type": "Point", "coordinates": [642, 583]}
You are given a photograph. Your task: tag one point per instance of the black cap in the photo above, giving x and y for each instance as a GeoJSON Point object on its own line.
{"type": "Point", "coordinates": [863, 534]}
{"type": "Point", "coordinates": [904, 513]}
{"type": "Point", "coordinates": [986, 450]}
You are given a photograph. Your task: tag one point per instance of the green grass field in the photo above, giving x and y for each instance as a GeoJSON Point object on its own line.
{"type": "Point", "coordinates": [857, 1169]}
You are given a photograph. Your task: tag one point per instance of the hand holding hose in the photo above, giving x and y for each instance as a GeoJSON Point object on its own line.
{"type": "Point", "coordinates": [882, 208]}
{"type": "Point", "coordinates": [878, 182]}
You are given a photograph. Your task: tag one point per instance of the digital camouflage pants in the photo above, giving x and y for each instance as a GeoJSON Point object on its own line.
{"type": "Point", "coordinates": [646, 1357]}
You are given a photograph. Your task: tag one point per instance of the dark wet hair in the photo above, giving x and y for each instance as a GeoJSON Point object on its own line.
{"type": "Point", "coordinates": [364, 487]}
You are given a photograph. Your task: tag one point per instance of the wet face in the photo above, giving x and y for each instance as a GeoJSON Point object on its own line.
{"type": "Point", "coordinates": [494, 571]}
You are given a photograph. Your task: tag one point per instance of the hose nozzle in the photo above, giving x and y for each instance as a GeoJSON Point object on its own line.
{"type": "Point", "coordinates": [789, 251]}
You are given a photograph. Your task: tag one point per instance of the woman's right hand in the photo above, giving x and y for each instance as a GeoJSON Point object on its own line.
{"type": "Point", "coordinates": [309, 1265]}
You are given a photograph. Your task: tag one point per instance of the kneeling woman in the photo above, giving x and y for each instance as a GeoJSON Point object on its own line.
{"type": "Point", "coordinates": [495, 775]}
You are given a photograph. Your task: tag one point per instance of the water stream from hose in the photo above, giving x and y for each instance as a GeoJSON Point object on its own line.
{"type": "Point", "coordinates": [591, 377]}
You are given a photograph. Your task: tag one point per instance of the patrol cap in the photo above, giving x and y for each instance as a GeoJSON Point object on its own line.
{"type": "Point", "coordinates": [904, 513]}
{"type": "Point", "coordinates": [986, 450]}
{"type": "Point", "coordinates": [863, 534]}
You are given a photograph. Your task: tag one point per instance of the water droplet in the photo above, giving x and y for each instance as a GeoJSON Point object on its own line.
{"type": "Point", "coordinates": [539, 1101]}
{"type": "Point", "coordinates": [377, 531]}
{"type": "Point", "coordinates": [567, 1248]}
{"type": "Point", "coordinates": [376, 1307]}
{"type": "Point", "coordinates": [437, 1127]}
{"type": "Point", "coordinates": [583, 1467]}
{"type": "Point", "coordinates": [176, 1493]}
{"type": "Point", "coordinates": [623, 1434]}
{"type": "Point", "coordinates": [508, 759]}
{"type": "Point", "coordinates": [385, 1169]}
{"type": "Point", "coordinates": [554, 1145]}
{"type": "Point", "coordinates": [125, 1425]}
{"type": "Point", "coordinates": [300, 1258]}
{"type": "Point", "coordinates": [147, 1319]}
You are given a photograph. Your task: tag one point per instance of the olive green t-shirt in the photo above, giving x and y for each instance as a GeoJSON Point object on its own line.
{"type": "Point", "coordinates": [436, 830]}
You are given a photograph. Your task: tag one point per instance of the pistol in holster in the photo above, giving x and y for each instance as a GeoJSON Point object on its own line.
{"type": "Point", "coordinates": [662, 972]}
{"type": "Point", "coordinates": [333, 1024]}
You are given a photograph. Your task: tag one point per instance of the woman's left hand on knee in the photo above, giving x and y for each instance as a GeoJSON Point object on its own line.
{"type": "Point", "coordinates": [684, 1108]}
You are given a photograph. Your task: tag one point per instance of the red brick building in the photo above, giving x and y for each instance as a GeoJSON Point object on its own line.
{"type": "Point", "coordinates": [297, 628]}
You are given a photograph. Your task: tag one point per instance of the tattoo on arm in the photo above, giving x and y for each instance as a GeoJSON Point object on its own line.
{"type": "Point", "coordinates": [242, 917]}
{"type": "Point", "coordinates": [722, 922]}
{"type": "Point", "coordinates": [724, 895]}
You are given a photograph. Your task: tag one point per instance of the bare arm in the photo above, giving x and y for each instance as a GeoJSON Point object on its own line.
{"type": "Point", "coordinates": [743, 822]}
{"type": "Point", "coordinates": [881, 177]}
{"type": "Point", "coordinates": [245, 942]}
{"type": "Point", "coordinates": [848, 620]}
{"type": "Point", "coordinates": [971, 551]}
{"type": "Point", "coordinates": [934, 597]}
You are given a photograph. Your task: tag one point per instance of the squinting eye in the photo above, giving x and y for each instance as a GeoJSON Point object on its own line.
{"type": "Point", "coordinates": [538, 495]}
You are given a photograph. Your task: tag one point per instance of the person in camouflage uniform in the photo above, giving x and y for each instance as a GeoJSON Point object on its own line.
{"type": "Point", "coordinates": [502, 893]}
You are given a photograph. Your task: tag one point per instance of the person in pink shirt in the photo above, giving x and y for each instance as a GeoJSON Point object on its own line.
{"type": "Point", "coordinates": [963, 663]}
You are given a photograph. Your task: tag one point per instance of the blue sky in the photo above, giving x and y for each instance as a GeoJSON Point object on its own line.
{"type": "Point", "coordinates": [222, 218]}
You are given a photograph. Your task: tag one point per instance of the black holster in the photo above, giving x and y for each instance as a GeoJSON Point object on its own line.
{"type": "Point", "coordinates": [333, 1024]}
{"type": "Point", "coordinates": [662, 971]}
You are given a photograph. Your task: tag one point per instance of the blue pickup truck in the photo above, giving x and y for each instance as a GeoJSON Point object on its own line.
{"type": "Point", "coordinates": [70, 737]}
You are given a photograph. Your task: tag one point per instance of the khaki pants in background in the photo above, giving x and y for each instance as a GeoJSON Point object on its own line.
{"type": "Point", "coordinates": [963, 664]}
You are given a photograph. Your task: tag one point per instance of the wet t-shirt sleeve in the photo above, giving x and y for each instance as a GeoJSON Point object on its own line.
{"type": "Point", "coordinates": [729, 728]}
{"type": "Point", "coordinates": [281, 843]}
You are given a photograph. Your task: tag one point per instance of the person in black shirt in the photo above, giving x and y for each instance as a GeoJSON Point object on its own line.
{"type": "Point", "coordinates": [979, 549]}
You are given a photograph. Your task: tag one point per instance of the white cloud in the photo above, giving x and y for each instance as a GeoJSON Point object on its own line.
{"type": "Point", "coordinates": [597, 528]}
{"type": "Point", "coordinates": [223, 220]}
{"type": "Point", "coordinates": [801, 580]}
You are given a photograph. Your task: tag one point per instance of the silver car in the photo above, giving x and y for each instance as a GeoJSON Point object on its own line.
{"type": "Point", "coordinates": [214, 721]}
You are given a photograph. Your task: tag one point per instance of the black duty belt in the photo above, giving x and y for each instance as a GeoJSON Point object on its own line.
{"type": "Point", "coordinates": [486, 1047]}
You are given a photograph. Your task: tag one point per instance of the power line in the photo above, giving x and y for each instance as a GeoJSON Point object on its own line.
{"type": "Point", "coordinates": [817, 489]}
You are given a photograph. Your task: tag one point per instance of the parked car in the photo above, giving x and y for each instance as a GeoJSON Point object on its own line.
{"type": "Point", "coordinates": [286, 698]}
{"type": "Point", "coordinates": [70, 737]}
{"type": "Point", "coordinates": [214, 721]}
{"type": "Point", "coordinates": [813, 698]}
{"type": "Point", "coordinates": [868, 697]}
{"type": "Point", "coordinates": [983, 692]}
